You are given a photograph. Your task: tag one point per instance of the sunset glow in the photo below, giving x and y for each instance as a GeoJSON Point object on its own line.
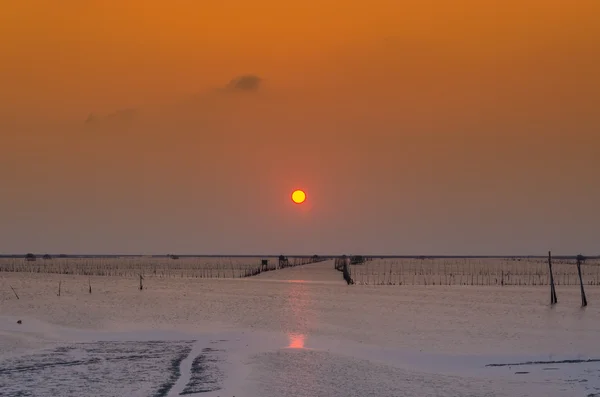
{"type": "Point", "coordinates": [412, 118]}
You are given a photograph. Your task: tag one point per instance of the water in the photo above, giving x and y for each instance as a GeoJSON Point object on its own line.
{"type": "Point", "coordinates": [292, 332]}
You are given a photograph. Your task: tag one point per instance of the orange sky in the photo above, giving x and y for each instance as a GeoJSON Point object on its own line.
{"type": "Point", "coordinates": [415, 126]}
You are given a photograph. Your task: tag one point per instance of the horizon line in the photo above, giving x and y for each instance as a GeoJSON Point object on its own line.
{"type": "Point", "coordinates": [369, 255]}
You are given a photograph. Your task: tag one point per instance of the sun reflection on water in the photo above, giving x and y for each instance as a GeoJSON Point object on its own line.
{"type": "Point", "coordinates": [300, 315]}
{"type": "Point", "coordinates": [296, 341]}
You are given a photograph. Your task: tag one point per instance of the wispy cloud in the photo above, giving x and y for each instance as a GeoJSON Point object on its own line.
{"type": "Point", "coordinates": [119, 116]}
{"type": "Point", "coordinates": [246, 83]}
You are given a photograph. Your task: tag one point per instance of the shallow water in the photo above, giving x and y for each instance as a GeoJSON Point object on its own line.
{"type": "Point", "coordinates": [299, 332]}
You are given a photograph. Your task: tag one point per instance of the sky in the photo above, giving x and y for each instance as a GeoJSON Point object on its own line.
{"type": "Point", "coordinates": [415, 127]}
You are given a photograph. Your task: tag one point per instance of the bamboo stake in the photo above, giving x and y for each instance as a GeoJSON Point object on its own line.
{"type": "Point", "coordinates": [583, 298]}
{"type": "Point", "coordinates": [553, 299]}
{"type": "Point", "coordinates": [15, 292]}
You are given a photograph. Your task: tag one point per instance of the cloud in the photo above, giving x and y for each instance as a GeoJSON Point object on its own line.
{"type": "Point", "coordinates": [197, 104]}
{"type": "Point", "coordinates": [120, 116]}
{"type": "Point", "coordinates": [247, 83]}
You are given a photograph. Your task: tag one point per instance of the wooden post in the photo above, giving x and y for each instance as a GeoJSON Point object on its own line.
{"type": "Point", "coordinates": [141, 282]}
{"type": "Point", "coordinates": [346, 273]}
{"type": "Point", "coordinates": [59, 288]}
{"type": "Point", "coordinates": [553, 299]}
{"type": "Point", "coordinates": [583, 299]}
{"type": "Point", "coordinates": [90, 284]}
{"type": "Point", "coordinates": [15, 292]}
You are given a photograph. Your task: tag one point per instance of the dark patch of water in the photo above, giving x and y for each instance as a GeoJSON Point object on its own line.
{"type": "Point", "coordinates": [591, 360]}
{"type": "Point", "coordinates": [99, 369]}
{"type": "Point", "coordinates": [206, 376]}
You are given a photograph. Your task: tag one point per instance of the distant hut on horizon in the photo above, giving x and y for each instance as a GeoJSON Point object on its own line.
{"type": "Point", "coordinates": [357, 259]}
{"type": "Point", "coordinates": [30, 257]}
{"type": "Point", "coordinates": [264, 265]}
{"type": "Point", "coordinates": [283, 261]}
{"type": "Point", "coordinates": [47, 256]}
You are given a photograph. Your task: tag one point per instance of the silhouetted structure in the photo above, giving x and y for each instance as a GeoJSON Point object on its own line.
{"type": "Point", "coordinates": [580, 260]}
{"type": "Point", "coordinates": [46, 257]}
{"type": "Point", "coordinates": [30, 257]}
{"type": "Point", "coordinates": [356, 259]}
{"type": "Point", "coordinates": [553, 299]}
{"type": "Point", "coordinates": [343, 264]}
{"type": "Point", "coordinates": [283, 262]}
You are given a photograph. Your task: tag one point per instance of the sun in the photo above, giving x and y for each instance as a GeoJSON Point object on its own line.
{"type": "Point", "coordinates": [298, 196]}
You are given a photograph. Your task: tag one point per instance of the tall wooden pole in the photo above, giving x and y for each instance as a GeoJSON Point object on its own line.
{"type": "Point", "coordinates": [553, 299]}
{"type": "Point", "coordinates": [583, 299]}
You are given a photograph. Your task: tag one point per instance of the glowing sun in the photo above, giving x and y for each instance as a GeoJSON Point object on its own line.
{"type": "Point", "coordinates": [298, 196]}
